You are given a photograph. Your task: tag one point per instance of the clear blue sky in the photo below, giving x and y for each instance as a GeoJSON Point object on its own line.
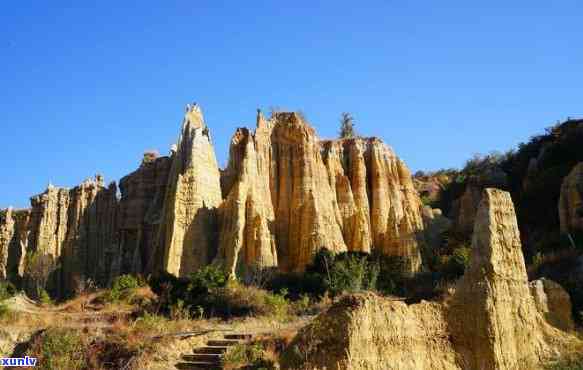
{"type": "Point", "coordinates": [87, 88]}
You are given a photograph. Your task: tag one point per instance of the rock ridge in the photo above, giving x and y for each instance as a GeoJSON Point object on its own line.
{"type": "Point", "coordinates": [283, 195]}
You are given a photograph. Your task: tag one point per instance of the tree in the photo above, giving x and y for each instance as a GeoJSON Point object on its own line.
{"type": "Point", "coordinates": [347, 126]}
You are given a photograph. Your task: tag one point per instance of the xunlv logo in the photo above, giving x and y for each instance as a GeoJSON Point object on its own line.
{"type": "Point", "coordinates": [24, 362]}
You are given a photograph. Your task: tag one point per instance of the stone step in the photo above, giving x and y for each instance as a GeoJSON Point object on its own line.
{"type": "Point", "coordinates": [217, 350]}
{"type": "Point", "coordinates": [205, 357]}
{"type": "Point", "coordinates": [239, 336]}
{"type": "Point", "coordinates": [198, 365]}
{"type": "Point", "coordinates": [223, 342]}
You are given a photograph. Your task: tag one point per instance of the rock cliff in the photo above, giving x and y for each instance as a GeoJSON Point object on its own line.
{"type": "Point", "coordinates": [491, 322]}
{"type": "Point", "coordinates": [571, 201]}
{"type": "Point", "coordinates": [70, 237]}
{"type": "Point", "coordinates": [494, 320]}
{"type": "Point", "coordinates": [553, 302]}
{"type": "Point", "coordinates": [188, 233]}
{"type": "Point", "coordinates": [283, 195]}
{"type": "Point", "coordinates": [379, 205]}
{"type": "Point", "coordinates": [247, 236]}
{"type": "Point", "coordinates": [140, 214]}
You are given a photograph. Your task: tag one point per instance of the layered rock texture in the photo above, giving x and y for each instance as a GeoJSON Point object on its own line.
{"type": "Point", "coordinates": [378, 203]}
{"type": "Point", "coordinates": [491, 321]}
{"type": "Point", "coordinates": [571, 201]}
{"type": "Point", "coordinates": [553, 302]}
{"type": "Point", "coordinates": [193, 195]}
{"type": "Point", "coordinates": [140, 213]}
{"type": "Point", "coordinates": [283, 195]}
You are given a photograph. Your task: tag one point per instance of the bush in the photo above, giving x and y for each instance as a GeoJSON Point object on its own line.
{"type": "Point", "coordinates": [249, 356]}
{"type": "Point", "coordinates": [352, 272]}
{"type": "Point", "coordinates": [7, 290]}
{"type": "Point", "coordinates": [58, 349]}
{"type": "Point", "coordinates": [122, 288]}
{"type": "Point", "coordinates": [298, 284]}
{"type": "Point", "coordinates": [570, 363]}
{"type": "Point", "coordinates": [44, 297]}
{"type": "Point", "coordinates": [241, 300]}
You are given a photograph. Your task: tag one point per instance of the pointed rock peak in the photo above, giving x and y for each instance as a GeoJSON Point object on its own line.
{"type": "Point", "coordinates": [194, 116]}
{"type": "Point", "coordinates": [242, 133]}
{"type": "Point", "coordinates": [291, 126]}
{"type": "Point", "coordinates": [496, 241]}
{"type": "Point", "coordinates": [261, 121]}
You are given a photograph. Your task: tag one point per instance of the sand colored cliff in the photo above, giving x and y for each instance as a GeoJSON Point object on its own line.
{"type": "Point", "coordinates": [491, 322]}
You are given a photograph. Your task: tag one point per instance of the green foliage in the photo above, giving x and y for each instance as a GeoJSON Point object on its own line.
{"type": "Point", "coordinates": [5, 312]}
{"type": "Point", "coordinates": [58, 349]}
{"type": "Point", "coordinates": [241, 300]}
{"type": "Point", "coordinates": [352, 272]}
{"type": "Point", "coordinates": [298, 284]}
{"type": "Point", "coordinates": [122, 288]}
{"type": "Point", "coordinates": [570, 363]}
{"type": "Point", "coordinates": [7, 290]}
{"type": "Point", "coordinates": [249, 356]}
{"type": "Point", "coordinates": [206, 279]}
{"type": "Point", "coordinates": [453, 266]}
{"type": "Point", "coordinates": [346, 126]}
{"type": "Point", "coordinates": [44, 297]}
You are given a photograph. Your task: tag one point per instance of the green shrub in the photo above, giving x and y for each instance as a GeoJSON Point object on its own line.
{"type": "Point", "coordinates": [58, 349]}
{"type": "Point", "coordinates": [352, 272]}
{"type": "Point", "coordinates": [298, 284]}
{"type": "Point", "coordinates": [6, 313]}
{"type": "Point", "coordinates": [241, 300]}
{"type": "Point", "coordinates": [249, 356]}
{"type": "Point", "coordinates": [122, 288]}
{"type": "Point", "coordinates": [44, 297]}
{"type": "Point", "coordinates": [570, 363]}
{"type": "Point", "coordinates": [453, 266]}
{"type": "Point", "coordinates": [198, 291]}
{"type": "Point", "coordinates": [7, 290]}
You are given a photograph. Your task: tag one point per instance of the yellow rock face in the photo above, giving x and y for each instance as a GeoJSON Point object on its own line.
{"type": "Point", "coordinates": [571, 201]}
{"type": "Point", "coordinates": [73, 231]}
{"type": "Point", "coordinates": [193, 195]}
{"type": "Point", "coordinates": [490, 323]}
{"type": "Point", "coordinates": [379, 205]}
{"type": "Point", "coordinates": [494, 320]}
{"type": "Point", "coordinates": [289, 194]}
{"type": "Point", "coordinates": [246, 239]}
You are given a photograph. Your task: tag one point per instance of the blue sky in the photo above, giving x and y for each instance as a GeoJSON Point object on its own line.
{"type": "Point", "coordinates": [87, 86]}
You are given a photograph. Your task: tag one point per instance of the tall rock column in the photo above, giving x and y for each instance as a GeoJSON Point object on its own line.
{"type": "Point", "coordinates": [380, 208]}
{"type": "Point", "coordinates": [140, 214]}
{"type": "Point", "coordinates": [7, 231]}
{"type": "Point", "coordinates": [347, 170]}
{"type": "Point", "coordinates": [493, 318]}
{"type": "Point", "coordinates": [72, 236]}
{"type": "Point", "coordinates": [571, 201]}
{"type": "Point", "coordinates": [396, 220]}
{"type": "Point", "coordinates": [307, 217]}
{"type": "Point", "coordinates": [193, 194]}
{"type": "Point", "coordinates": [247, 237]}
{"type": "Point", "coordinates": [14, 234]}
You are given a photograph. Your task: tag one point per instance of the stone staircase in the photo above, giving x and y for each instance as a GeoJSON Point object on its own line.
{"type": "Point", "coordinates": [211, 355]}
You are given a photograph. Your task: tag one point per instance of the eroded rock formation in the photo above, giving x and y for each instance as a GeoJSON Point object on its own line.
{"type": "Point", "coordinates": [491, 322]}
{"type": "Point", "coordinates": [284, 195]}
{"type": "Point", "coordinates": [571, 201]}
{"type": "Point", "coordinates": [289, 194]}
{"type": "Point", "coordinates": [553, 302]}
{"type": "Point", "coordinates": [70, 236]}
{"type": "Point", "coordinates": [140, 214]}
{"type": "Point", "coordinates": [379, 205]}
{"type": "Point", "coordinates": [189, 229]}
{"type": "Point", "coordinates": [365, 331]}
{"type": "Point", "coordinates": [494, 320]}
{"type": "Point", "coordinates": [247, 234]}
